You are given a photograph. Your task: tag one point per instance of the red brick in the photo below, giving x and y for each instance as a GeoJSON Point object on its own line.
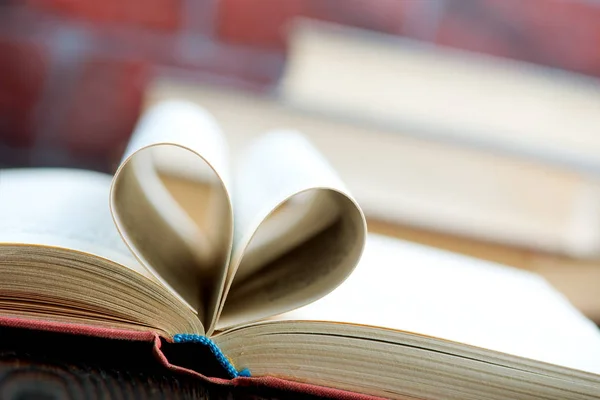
{"type": "Point", "coordinates": [258, 22]}
{"type": "Point", "coordinates": [387, 16]}
{"type": "Point", "coordinates": [265, 22]}
{"type": "Point", "coordinates": [558, 33]}
{"type": "Point", "coordinates": [23, 69]}
{"type": "Point", "coordinates": [462, 32]}
{"type": "Point", "coordinates": [565, 34]}
{"type": "Point", "coordinates": [152, 14]}
{"type": "Point", "coordinates": [104, 108]}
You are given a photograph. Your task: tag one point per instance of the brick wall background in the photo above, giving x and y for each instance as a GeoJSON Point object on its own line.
{"type": "Point", "coordinates": [73, 72]}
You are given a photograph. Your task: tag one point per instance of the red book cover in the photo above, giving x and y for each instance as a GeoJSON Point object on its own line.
{"type": "Point", "coordinates": [179, 355]}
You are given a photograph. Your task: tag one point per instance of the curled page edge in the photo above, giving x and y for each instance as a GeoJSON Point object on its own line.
{"type": "Point", "coordinates": [174, 123]}
{"type": "Point", "coordinates": [327, 180]}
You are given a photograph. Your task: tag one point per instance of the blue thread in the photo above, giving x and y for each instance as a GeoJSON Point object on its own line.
{"type": "Point", "coordinates": [224, 361]}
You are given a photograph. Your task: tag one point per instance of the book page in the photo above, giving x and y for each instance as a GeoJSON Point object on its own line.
{"type": "Point", "coordinates": [62, 259]}
{"type": "Point", "coordinates": [62, 208]}
{"type": "Point", "coordinates": [414, 288]}
{"type": "Point", "coordinates": [298, 233]}
{"type": "Point", "coordinates": [177, 139]}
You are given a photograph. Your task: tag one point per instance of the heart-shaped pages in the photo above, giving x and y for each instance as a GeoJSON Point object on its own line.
{"type": "Point", "coordinates": [279, 233]}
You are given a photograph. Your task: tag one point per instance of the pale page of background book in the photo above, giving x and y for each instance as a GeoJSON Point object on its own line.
{"type": "Point", "coordinates": [61, 208]}
{"type": "Point", "coordinates": [277, 167]}
{"type": "Point", "coordinates": [423, 290]}
{"type": "Point", "coordinates": [445, 93]}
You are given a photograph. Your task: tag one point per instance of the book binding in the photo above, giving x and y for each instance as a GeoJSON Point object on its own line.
{"type": "Point", "coordinates": [165, 351]}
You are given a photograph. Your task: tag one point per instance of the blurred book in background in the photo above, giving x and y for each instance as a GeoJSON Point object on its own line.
{"type": "Point", "coordinates": [522, 137]}
{"type": "Point", "coordinates": [446, 94]}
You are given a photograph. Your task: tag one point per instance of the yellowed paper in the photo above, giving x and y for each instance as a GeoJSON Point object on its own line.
{"type": "Point", "coordinates": [404, 286]}
{"type": "Point", "coordinates": [318, 230]}
{"type": "Point", "coordinates": [177, 138]}
{"type": "Point", "coordinates": [62, 259]}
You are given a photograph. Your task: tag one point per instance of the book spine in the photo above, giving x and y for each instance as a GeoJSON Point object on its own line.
{"type": "Point", "coordinates": [215, 350]}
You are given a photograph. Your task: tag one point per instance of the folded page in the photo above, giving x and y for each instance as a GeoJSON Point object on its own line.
{"type": "Point", "coordinates": [298, 232]}
{"type": "Point", "coordinates": [176, 138]}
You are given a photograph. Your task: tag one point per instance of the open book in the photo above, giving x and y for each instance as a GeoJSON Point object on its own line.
{"type": "Point", "coordinates": [180, 242]}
